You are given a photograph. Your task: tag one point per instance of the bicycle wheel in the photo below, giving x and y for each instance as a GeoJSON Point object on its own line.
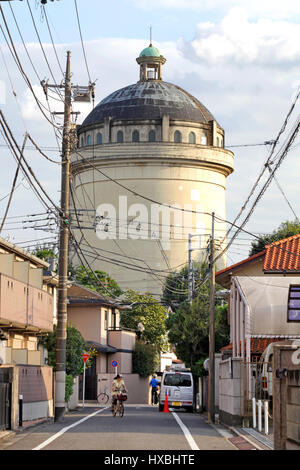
{"type": "Point", "coordinates": [102, 398]}
{"type": "Point", "coordinates": [121, 411]}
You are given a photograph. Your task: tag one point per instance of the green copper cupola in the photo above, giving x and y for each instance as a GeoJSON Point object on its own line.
{"type": "Point", "coordinates": [150, 61]}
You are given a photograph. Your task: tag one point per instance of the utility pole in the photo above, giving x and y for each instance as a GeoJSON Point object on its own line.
{"type": "Point", "coordinates": [80, 94]}
{"type": "Point", "coordinates": [211, 410]}
{"type": "Point", "coordinates": [190, 288]}
{"type": "Point", "coordinates": [63, 252]}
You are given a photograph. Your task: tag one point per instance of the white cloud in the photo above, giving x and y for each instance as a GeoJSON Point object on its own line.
{"type": "Point", "coordinates": [263, 8]}
{"type": "Point", "coordinates": [263, 42]}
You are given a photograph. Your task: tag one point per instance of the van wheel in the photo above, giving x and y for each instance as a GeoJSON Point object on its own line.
{"type": "Point", "coordinates": [160, 407]}
{"type": "Point", "coordinates": [190, 409]}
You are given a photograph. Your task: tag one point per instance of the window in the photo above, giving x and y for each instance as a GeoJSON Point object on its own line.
{"type": "Point", "coordinates": [135, 136]}
{"type": "Point", "coordinates": [218, 142]}
{"type": "Point", "coordinates": [82, 142]}
{"type": "Point", "coordinates": [177, 136]}
{"type": "Point", "coordinates": [114, 319]}
{"type": "Point", "coordinates": [152, 136]}
{"type": "Point", "coordinates": [294, 304]}
{"type": "Point", "coordinates": [204, 139]}
{"type": "Point", "coordinates": [192, 138]}
{"type": "Point", "coordinates": [99, 138]}
{"type": "Point", "coordinates": [178, 379]}
{"type": "Point", "coordinates": [105, 319]}
{"type": "Point", "coordinates": [89, 140]}
{"type": "Point", "coordinates": [120, 137]}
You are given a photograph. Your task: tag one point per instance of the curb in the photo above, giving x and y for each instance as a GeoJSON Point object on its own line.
{"type": "Point", "coordinates": [242, 436]}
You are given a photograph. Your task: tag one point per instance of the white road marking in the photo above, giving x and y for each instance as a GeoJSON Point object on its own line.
{"type": "Point", "coordinates": [62, 431]}
{"type": "Point", "coordinates": [186, 433]}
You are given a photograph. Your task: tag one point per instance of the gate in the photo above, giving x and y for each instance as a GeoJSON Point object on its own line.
{"type": "Point", "coordinates": [90, 383]}
{"type": "Point", "coordinates": [5, 398]}
{"type": "Point", "coordinates": [258, 394]}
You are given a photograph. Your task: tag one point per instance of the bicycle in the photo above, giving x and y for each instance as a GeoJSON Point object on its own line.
{"type": "Point", "coordinates": [103, 397]}
{"type": "Point", "coordinates": [119, 407]}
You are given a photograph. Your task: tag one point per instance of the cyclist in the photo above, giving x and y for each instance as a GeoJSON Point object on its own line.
{"type": "Point", "coordinates": [118, 386]}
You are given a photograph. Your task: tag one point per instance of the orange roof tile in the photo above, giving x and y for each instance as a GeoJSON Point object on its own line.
{"type": "Point", "coordinates": [257, 345]}
{"type": "Point", "coordinates": [283, 255]}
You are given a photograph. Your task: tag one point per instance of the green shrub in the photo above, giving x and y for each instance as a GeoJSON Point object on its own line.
{"type": "Point", "coordinates": [145, 359]}
{"type": "Point", "coordinates": [69, 387]}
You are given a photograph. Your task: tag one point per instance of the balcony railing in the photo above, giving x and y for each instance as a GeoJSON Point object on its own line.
{"type": "Point", "coordinates": [24, 306]}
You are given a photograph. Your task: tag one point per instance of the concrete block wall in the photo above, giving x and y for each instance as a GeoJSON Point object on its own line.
{"type": "Point", "coordinates": [231, 397]}
{"type": "Point", "coordinates": [74, 399]}
{"type": "Point", "coordinates": [138, 387]}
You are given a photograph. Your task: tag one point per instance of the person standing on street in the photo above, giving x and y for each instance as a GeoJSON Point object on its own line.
{"type": "Point", "coordinates": [154, 384]}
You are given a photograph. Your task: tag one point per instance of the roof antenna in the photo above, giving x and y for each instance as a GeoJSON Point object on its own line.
{"type": "Point", "coordinates": [150, 36]}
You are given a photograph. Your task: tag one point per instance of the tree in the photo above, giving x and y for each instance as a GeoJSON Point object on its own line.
{"type": "Point", "coordinates": [175, 288]}
{"type": "Point", "coordinates": [188, 325]}
{"type": "Point", "coordinates": [44, 253]}
{"type": "Point", "coordinates": [189, 329]}
{"type": "Point", "coordinates": [98, 281]}
{"type": "Point", "coordinates": [75, 347]}
{"type": "Point", "coordinates": [285, 230]}
{"type": "Point", "coordinates": [146, 310]}
{"type": "Point", "coordinates": [145, 359]}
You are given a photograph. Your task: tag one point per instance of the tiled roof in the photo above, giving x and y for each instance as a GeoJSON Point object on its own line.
{"type": "Point", "coordinates": [257, 345]}
{"type": "Point", "coordinates": [283, 255]}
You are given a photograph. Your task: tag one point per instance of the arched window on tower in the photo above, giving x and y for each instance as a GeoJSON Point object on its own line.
{"type": "Point", "coordinates": [218, 142]}
{"type": "Point", "coordinates": [204, 139]}
{"type": "Point", "coordinates": [120, 137]}
{"type": "Point", "coordinates": [135, 136]}
{"type": "Point", "coordinates": [192, 138]}
{"type": "Point", "coordinates": [99, 138]}
{"type": "Point", "coordinates": [89, 139]}
{"type": "Point", "coordinates": [177, 136]}
{"type": "Point", "coordinates": [152, 136]}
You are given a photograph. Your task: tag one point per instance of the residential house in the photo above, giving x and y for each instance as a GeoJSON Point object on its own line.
{"type": "Point", "coordinates": [263, 308]}
{"type": "Point", "coordinates": [97, 317]}
{"type": "Point", "coordinates": [26, 313]}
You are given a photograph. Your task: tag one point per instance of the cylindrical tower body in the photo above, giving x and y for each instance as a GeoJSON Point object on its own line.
{"type": "Point", "coordinates": [149, 170]}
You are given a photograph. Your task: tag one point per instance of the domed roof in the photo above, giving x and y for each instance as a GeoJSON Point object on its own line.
{"type": "Point", "coordinates": [149, 100]}
{"type": "Point", "coordinates": [150, 51]}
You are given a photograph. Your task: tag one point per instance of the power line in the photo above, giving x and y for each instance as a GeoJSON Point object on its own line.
{"type": "Point", "coordinates": [274, 143]}
{"type": "Point", "coordinates": [81, 39]}
{"type": "Point", "coordinates": [51, 37]}
{"type": "Point", "coordinates": [15, 56]}
{"type": "Point", "coordinates": [42, 48]}
{"type": "Point", "coordinates": [9, 137]}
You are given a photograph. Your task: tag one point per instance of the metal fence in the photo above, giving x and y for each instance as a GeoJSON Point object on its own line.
{"type": "Point", "coordinates": [257, 391]}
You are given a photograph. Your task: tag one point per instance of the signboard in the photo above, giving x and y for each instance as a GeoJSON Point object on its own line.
{"type": "Point", "coordinates": [85, 357]}
{"type": "Point", "coordinates": [115, 363]}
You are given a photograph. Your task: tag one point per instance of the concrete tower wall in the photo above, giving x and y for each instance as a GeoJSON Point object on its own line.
{"type": "Point", "coordinates": [134, 235]}
{"type": "Point", "coordinates": [184, 175]}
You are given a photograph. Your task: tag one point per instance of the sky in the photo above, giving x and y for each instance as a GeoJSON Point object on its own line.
{"type": "Point", "coordinates": [239, 58]}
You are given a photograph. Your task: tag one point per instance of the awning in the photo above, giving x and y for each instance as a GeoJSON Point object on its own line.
{"type": "Point", "coordinates": [103, 348]}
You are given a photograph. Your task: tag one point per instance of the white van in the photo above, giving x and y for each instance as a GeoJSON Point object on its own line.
{"type": "Point", "coordinates": [179, 386]}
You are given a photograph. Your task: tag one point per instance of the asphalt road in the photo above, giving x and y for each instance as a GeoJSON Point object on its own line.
{"type": "Point", "coordinates": [141, 428]}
